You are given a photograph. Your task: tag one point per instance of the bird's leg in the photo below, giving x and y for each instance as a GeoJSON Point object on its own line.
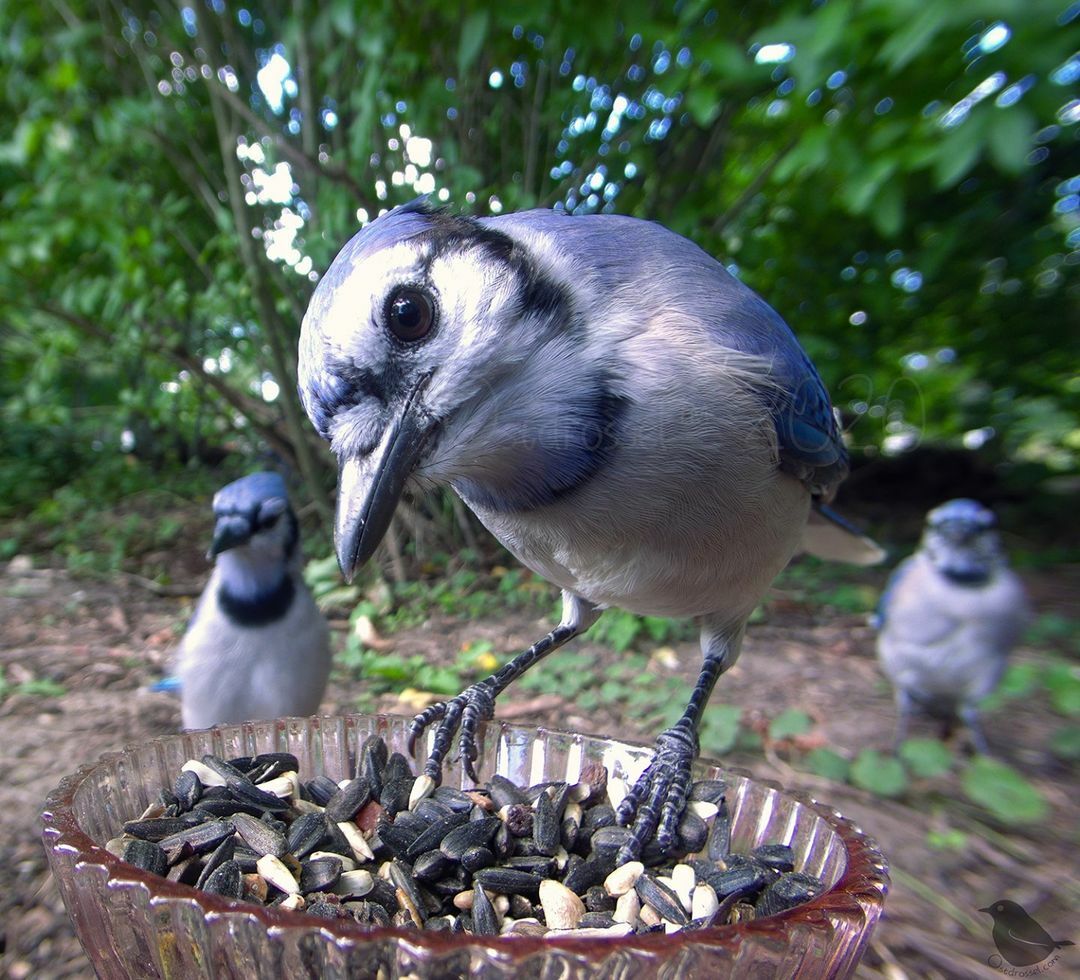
{"type": "Point", "coordinates": [969, 715]}
{"type": "Point", "coordinates": [477, 703]}
{"type": "Point", "coordinates": [656, 801]}
{"type": "Point", "coordinates": [905, 707]}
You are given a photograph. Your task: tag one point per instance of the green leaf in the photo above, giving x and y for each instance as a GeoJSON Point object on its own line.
{"type": "Point", "coordinates": [880, 774]}
{"type": "Point", "coordinates": [1003, 792]}
{"type": "Point", "coordinates": [1019, 680]}
{"type": "Point", "coordinates": [41, 687]}
{"type": "Point", "coordinates": [950, 839]}
{"type": "Point", "coordinates": [827, 763]}
{"type": "Point", "coordinates": [926, 757]}
{"type": "Point", "coordinates": [720, 729]}
{"type": "Point", "coordinates": [1063, 683]}
{"type": "Point", "coordinates": [1065, 742]}
{"type": "Point", "coordinates": [887, 212]}
{"type": "Point", "coordinates": [1009, 138]}
{"type": "Point", "coordinates": [790, 723]}
{"type": "Point", "coordinates": [906, 44]}
{"type": "Point", "coordinates": [957, 154]}
{"type": "Point", "coordinates": [473, 32]}
{"type": "Point", "coordinates": [703, 104]}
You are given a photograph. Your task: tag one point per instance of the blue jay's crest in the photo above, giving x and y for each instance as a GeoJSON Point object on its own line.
{"type": "Point", "coordinates": [962, 542]}
{"type": "Point", "coordinates": [251, 505]}
{"type": "Point", "coordinates": [962, 511]}
{"type": "Point", "coordinates": [244, 496]}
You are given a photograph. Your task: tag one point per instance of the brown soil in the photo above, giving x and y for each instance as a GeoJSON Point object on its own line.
{"type": "Point", "coordinates": [104, 642]}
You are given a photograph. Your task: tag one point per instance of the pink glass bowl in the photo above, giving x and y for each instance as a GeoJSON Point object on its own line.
{"type": "Point", "coordinates": [134, 924]}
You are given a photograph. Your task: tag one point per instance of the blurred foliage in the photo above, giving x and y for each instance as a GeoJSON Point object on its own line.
{"type": "Point", "coordinates": [899, 179]}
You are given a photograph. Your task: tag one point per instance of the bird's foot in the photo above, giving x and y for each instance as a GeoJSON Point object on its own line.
{"type": "Point", "coordinates": [655, 803]}
{"type": "Point", "coordinates": [472, 706]}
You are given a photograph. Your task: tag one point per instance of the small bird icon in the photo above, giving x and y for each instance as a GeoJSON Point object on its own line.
{"type": "Point", "coordinates": [1018, 937]}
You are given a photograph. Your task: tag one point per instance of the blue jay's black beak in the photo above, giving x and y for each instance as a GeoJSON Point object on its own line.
{"type": "Point", "coordinates": [231, 531]}
{"type": "Point", "coordinates": [370, 486]}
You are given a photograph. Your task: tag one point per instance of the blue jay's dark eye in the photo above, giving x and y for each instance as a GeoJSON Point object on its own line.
{"type": "Point", "coordinates": [410, 315]}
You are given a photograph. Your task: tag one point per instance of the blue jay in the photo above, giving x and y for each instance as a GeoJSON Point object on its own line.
{"type": "Point", "coordinates": [948, 618]}
{"type": "Point", "coordinates": [633, 423]}
{"type": "Point", "coordinates": [257, 646]}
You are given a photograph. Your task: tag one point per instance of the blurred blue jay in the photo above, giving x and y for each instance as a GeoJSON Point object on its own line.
{"type": "Point", "coordinates": [257, 646]}
{"type": "Point", "coordinates": [948, 619]}
{"type": "Point", "coordinates": [628, 419]}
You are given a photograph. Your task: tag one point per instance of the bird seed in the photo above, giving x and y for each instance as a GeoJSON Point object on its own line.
{"type": "Point", "coordinates": [389, 849]}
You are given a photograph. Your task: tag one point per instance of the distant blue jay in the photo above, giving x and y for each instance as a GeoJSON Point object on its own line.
{"type": "Point", "coordinates": [948, 619]}
{"type": "Point", "coordinates": [628, 419]}
{"type": "Point", "coordinates": [257, 646]}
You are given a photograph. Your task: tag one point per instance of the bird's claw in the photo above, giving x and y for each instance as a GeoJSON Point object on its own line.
{"type": "Point", "coordinates": [655, 803]}
{"type": "Point", "coordinates": [472, 706]}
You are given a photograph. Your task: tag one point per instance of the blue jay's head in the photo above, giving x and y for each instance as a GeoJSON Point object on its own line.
{"type": "Point", "coordinates": [253, 517]}
{"type": "Point", "coordinates": [962, 542]}
{"type": "Point", "coordinates": [436, 348]}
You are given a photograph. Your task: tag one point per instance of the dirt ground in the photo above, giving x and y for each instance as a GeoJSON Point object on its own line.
{"type": "Point", "coordinates": [105, 642]}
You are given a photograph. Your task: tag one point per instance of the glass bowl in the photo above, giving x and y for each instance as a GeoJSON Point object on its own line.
{"type": "Point", "coordinates": [134, 924]}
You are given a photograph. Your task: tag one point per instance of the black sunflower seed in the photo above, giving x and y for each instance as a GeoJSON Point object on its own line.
{"type": "Point", "coordinates": [384, 893]}
{"type": "Point", "coordinates": [198, 840]}
{"type": "Point", "coordinates": [709, 790]}
{"type": "Point", "coordinates": [146, 855]}
{"type": "Point", "coordinates": [595, 817]}
{"type": "Point", "coordinates": [546, 825]}
{"type": "Point", "coordinates": [504, 792]}
{"type": "Point", "coordinates": [598, 900]}
{"type": "Point", "coordinates": [537, 864]}
{"type": "Point", "coordinates": [430, 809]}
{"type": "Point", "coordinates": [475, 858]}
{"type": "Point", "coordinates": [786, 892]}
{"type": "Point", "coordinates": [719, 842]}
{"type": "Point", "coordinates": [394, 797]}
{"type": "Point", "coordinates": [397, 767]}
{"type": "Point", "coordinates": [475, 833]}
{"type": "Point", "coordinates": [305, 833]}
{"type": "Point", "coordinates": [398, 837]}
{"type": "Point", "coordinates": [453, 798]}
{"type": "Point", "coordinates": [347, 802]}
{"type": "Point", "coordinates": [319, 874]}
{"type": "Point", "coordinates": [405, 883]}
{"type": "Point", "coordinates": [372, 763]}
{"type": "Point", "coordinates": [224, 808]}
{"type": "Point", "coordinates": [432, 866]}
{"type": "Point", "coordinates": [433, 836]}
{"type": "Point", "coordinates": [156, 828]}
{"type": "Point", "coordinates": [225, 851]}
{"type": "Point", "coordinates": [226, 770]}
{"type": "Point", "coordinates": [660, 897]}
{"type": "Point", "coordinates": [692, 833]}
{"type": "Point", "coordinates": [509, 881]}
{"type": "Point", "coordinates": [741, 879]}
{"type": "Point", "coordinates": [188, 788]}
{"type": "Point", "coordinates": [779, 857]}
{"type": "Point", "coordinates": [226, 880]}
{"type": "Point", "coordinates": [320, 789]}
{"type": "Point", "coordinates": [606, 841]}
{"type": "Point", "coordinates": [485, 922]}
{"type": "Point", "coordinates": [588, 873]}
{"type": "Point", "coordinates": [247, 792]}
{"type": "Point", "coordinates": [260, 837]}
{"type": "Point", "coordinates": [596, 920]}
